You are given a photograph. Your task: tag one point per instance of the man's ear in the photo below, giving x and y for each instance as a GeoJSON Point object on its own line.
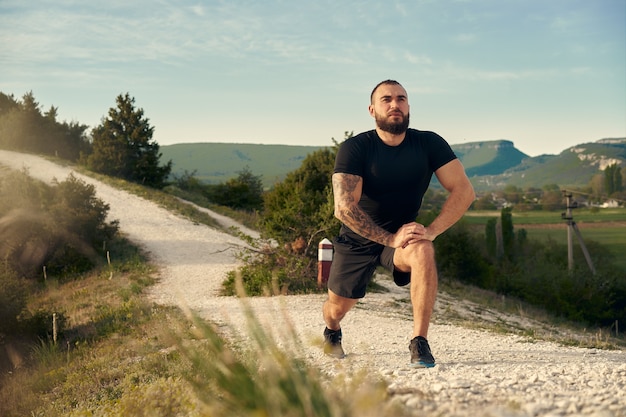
{"type": "Point", "coordinates": [370, 108]}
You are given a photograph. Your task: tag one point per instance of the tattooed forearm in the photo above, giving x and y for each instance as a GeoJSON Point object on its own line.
{"type": "Point", "coordinates": [357, 220]}
{"type": "Point", "coordinates": [347, 193]}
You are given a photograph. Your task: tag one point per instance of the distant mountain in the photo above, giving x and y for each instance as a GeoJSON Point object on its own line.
{"type": "Point", "coordinates": [573, 167]}
{"type": "Point", "coordinates": [488, 158]}
{"type": "Point", "coordinates": [489, 164]}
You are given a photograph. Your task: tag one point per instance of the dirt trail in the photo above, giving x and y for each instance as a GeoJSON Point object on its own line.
{"type": "Point", "coordinates": [478, 373]}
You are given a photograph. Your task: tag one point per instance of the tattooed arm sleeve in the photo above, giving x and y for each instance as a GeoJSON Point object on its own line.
{"type": "Point", "coordinates": [347, 190]}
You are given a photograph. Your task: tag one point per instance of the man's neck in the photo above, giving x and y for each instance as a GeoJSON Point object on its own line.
{"type": "Point", "coordinates": [389, 138]}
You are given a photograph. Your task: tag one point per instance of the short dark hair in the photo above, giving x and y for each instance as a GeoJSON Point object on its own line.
{"type": "Point", "coordinates": [391, 82]}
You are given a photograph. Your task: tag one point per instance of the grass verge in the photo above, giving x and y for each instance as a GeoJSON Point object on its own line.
{"type": "Point", "coordinates": [486, 310]}
{"type": "Point", "coordinates": [121, 355]}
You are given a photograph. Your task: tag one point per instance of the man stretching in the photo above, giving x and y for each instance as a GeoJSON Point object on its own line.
{"type": "Point", "coordinates": [379, 180]}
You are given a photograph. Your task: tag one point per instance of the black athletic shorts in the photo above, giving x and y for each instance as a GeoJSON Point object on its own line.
{"type": "Point", "coordinates": [355, 260]}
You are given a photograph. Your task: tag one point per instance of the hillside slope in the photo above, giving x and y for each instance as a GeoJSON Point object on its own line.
{"type": "Point", "coordinates": [489, 164]}
{"type": "Point", "coordinates": [218, 162]}
{"type": "Point", "coordinates": [573, 167]}
{"type": "Point", "coordinates": [479, 373]}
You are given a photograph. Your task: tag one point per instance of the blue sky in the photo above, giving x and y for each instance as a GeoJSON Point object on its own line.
{"type": "Point", "coordinates": [546, 74]}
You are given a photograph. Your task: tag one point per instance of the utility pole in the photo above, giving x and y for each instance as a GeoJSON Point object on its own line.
{"type": "Point", "coordinates": [571, 229]}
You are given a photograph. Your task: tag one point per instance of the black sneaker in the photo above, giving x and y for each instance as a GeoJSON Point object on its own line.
{"type": "Point", "coordinates": [332, 343]}
{"type": "Point", "coordinates": [420, 353]}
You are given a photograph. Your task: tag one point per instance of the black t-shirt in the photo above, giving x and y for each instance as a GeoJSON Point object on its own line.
{"type": "Point", "coordinates": [395, 178]}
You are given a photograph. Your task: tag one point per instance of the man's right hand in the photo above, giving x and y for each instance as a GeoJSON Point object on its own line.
{"type": "Point", "coordinates": [407, 234]}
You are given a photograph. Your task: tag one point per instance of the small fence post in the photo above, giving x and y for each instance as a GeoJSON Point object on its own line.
{"type": "Point", "coordinates": [324, 260]}
{"type": "Point", "coordinates": [54, 328]}
{"type": "Point", "coordinates": [109, 262]}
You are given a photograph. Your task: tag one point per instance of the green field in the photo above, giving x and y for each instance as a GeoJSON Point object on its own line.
{"type": "Point", "coordinates": [613, 238]}
{"type": "Point", "coordinates": [605, 226]}
{"type": "Point", "coordinates": [581, 216]}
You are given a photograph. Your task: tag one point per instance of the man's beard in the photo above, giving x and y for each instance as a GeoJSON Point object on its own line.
{"type": "Point", "coordinates": [395, 128]}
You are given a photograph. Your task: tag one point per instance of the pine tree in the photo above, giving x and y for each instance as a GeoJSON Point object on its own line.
{"type": "Point", "coordinates": [508, 233]}
{"type": "Point", "coordinates": [612, 179]}
{"type": "Point", "coordinates": [123, 146]}
{"type": "Point", "coordinates": [617, 181]}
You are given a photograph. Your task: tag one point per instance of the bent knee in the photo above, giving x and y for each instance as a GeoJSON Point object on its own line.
{"type": "Point", "coordinates": [416, 254]}
{"type": "Point", "coordinates": [420, 252]}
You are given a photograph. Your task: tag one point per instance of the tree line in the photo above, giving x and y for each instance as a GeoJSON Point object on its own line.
{"type": "Point", "coordinates": [121, 146]}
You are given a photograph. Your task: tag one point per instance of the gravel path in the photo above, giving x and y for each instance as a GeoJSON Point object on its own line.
{"type": "Point", "coordinates": [478, 373]}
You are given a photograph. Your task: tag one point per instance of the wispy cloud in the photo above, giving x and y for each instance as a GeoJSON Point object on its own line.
{"type": "Point", "coordinates": [174, 33]}
{"type": "Point", "coordinates": [417, 59]}
{"type": "Point", "coordinates": [566, 21]}
{"type": "Point", "coordinates": [465, 38]}
{"type": "Point", "coordinates": [197, 10]}
{"type": "Point", "coordinates": [97, 37]}
{"type": "Point", "coordinates": [452, 72]}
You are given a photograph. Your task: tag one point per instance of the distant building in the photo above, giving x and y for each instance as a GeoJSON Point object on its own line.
{"type": "Point", "coordinates": [610, 204]}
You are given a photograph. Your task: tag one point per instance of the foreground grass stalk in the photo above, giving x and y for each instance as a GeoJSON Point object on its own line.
{"type": "Point", "coordinates": [265, 379]}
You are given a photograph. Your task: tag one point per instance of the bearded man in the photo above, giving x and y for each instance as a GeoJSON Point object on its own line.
{"type": "Point", "coordinates": [379, 181]}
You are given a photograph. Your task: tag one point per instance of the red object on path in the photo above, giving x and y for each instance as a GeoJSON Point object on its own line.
{"type": "Point", "coordinates": [324, 260]}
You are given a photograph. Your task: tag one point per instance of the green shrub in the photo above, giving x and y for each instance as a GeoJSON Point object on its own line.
{"type": "Point", "coordinates": [76, 208]}
{"type": "Point", "coordinates": [301, 206]}
{"type": "Point", "coordinates": [270, 269]}
{"type": "Point", "coordinates": [544, 279]}
{"type": "Point", "coordinates": [298, 213]}
{"type": "Point", "coordinates": [59, 227]}
{"type": "Point", "coordinates": [534, 271]}
{"type": "Point", "coordinates": [460, 257]}
{"type": "Point", "coordinates": [242, 193]}
{"type": "Point", "coordinates": [538, 273]}
{"type": "Point", "coordinates": [13, 298]}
